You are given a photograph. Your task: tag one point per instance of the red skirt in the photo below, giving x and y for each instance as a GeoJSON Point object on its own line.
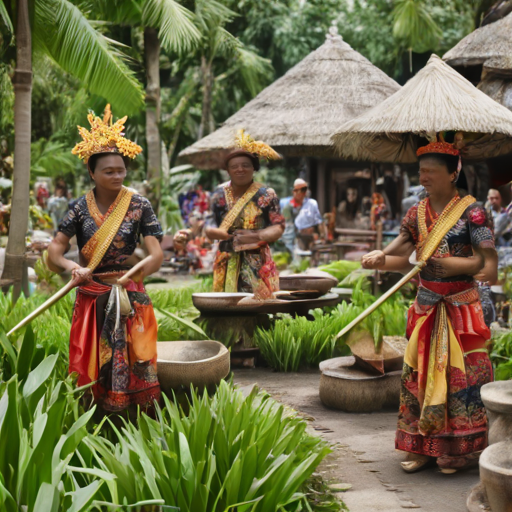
{"type": "Point", "coordinates": [115, 349]}
{"type": "Point", "coordinates": [458, 428]}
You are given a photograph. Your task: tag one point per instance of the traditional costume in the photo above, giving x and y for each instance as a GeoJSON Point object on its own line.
{"type": "Point", "coordinates": [250, 268]}
{"type": "Point", "coordinates": [446, 361]}
{"type": "Point", "coordinates": [114, 330]}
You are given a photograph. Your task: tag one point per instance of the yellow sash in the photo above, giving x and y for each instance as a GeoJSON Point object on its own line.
{"type": "Point", "coordinates": [98, 244]}
{"type": "Point", "coordinates": [429, 242]}
{"type": "Point", "coordinates": [236, 209]}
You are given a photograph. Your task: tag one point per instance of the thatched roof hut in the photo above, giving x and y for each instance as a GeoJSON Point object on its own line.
{"type": "Point", "coordinates": [298, 113]}
{"type": "Point", "coordinates": [488, 43]}
{"type": "Point", "coordinates": [437, 99]}
{"type": "Point", "coordinates": [485, 57]}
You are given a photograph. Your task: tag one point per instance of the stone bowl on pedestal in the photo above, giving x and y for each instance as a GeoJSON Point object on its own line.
{"type": "Point", "coordinates": [347, 387]}
{"type": "Point", "coordinates": [496, 475]}
{"type": "Point", "coordinates": [197, 363]}
{"type": "Point", "coordinates": [497, 398]}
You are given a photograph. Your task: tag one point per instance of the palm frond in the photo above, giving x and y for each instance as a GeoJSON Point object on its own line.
{"type": "Point", "coordinates": [51, 158]}
{"type": "Point", "coordinates": [414, 25]}
{"type": "Point", "coordinates": [176, 29]}
{"type": "Point", "coordinates": [210, 13]}
{"type": "Point", "coordinates": [66, 35]}
{"type": "Point", "coordinates": [255, 70]}
{"type": "Point", "coordinates": [4, 16]}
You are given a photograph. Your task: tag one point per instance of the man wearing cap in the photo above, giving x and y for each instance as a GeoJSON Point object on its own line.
{"type": "Point", "coordinates": [302, 216]}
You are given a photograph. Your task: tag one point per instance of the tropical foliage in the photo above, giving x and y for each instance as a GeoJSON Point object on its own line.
{"type": "Point", "coordinates": [214, 454]}
{"type": "Point", "coordinates": [296, 343]}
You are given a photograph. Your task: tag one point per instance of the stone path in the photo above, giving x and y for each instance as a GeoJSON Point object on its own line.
{"type": "Point", "coordinates": [365, 455]}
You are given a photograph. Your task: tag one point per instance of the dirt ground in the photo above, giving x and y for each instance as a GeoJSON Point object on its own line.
{"type": "Point", "coordinates": [364, 451]}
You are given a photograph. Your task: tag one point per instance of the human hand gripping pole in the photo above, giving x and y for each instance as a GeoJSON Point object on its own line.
{"type": "Point", "coordinates": [66, 289]}
{"type": "Point", "coordinates": [444, 223]}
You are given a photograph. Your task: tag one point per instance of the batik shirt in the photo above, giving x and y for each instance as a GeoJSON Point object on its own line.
{"type": "Point", "coordinates": [140, 220]}
{"type": "Point", "coordinates": [473, 230]}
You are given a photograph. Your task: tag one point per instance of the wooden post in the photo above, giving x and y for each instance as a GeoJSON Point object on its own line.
{"type": "Point", "coordinates": [321, 190]}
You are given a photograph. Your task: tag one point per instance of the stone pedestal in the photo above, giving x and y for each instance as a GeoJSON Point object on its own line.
{"type": "Point", "coordinates": [497, 398]}
{"type": "Point", "coordinates": [496, 475]}
{"type": "Point", "coordinates": [346, 387]}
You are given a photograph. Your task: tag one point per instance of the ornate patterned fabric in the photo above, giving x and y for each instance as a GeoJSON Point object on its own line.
{"type": "Point", "coordinates": [114, 331]}
{"type": "Point", "coordinates": [251, 271]}
{"type": "Point", "coordinates": [446, 363]}
{"type": "Point", "coordinates": [140, 220]}
{"type": "Point", "coordinates": [474, 229]}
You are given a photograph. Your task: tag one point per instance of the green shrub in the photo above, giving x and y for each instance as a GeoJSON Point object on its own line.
{"type": "Point", "coordinates": [340, 269]}
{"type": "Point", "coordinates": [295, 343]}
{"type": "Point", "coordinates": [228, 451]}
{"type": "Point", "coordinates": [501, 356]}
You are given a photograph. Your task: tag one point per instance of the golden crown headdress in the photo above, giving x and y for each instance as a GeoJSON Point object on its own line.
{"type": "Point", "coordinates": [247, 143]}
{"type": "Point", "coordinates": [105, 136]}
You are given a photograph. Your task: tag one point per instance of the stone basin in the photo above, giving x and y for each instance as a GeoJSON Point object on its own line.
{"type": "Point", "coordinates": [496, 475]}
{"type": "Point", "coordinates": [319, 284]}
{"type": "Point", "coordinates": [497, 398]}
{"type": "Point", "coordinates": [186, 363]}
{"type": "Point", "coordinates": [346, 387]}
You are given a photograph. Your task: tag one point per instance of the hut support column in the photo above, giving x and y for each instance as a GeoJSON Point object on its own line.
{"type": "Point", "coordinates": [320, 186]}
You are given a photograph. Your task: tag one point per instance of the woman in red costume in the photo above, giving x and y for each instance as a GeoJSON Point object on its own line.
{"type": "Point", "coordinates": [442, 417]}
{"type": "Point", "coordinates": [114, 330]}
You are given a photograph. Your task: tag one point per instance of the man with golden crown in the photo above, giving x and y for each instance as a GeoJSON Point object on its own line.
{"type": "Point", "coordinates": [248, 218]}
{"type": "Point", "coordinates": [114, 330]}
{"type": "Point", "coordinates": [442, 418]}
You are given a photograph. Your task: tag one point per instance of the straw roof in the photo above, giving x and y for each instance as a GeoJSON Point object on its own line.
{"type": "Point", "coordinates": [437, 99]}
{"type": "Point", "coordinates": [488, 43]}
{"type": "Point", "coordinates": [297, 114]}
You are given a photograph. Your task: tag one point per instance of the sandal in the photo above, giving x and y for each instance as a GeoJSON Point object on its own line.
{"type": "Point", "coordinates": [412, 466]}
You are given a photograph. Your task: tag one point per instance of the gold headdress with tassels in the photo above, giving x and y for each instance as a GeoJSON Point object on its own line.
{"type": "Point", "coordinates": [104, 137]}
{"type": "Point", "coordinates": [245, 142]}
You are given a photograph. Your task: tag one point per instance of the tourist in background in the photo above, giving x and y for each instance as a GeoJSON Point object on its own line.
{"type": "Point", "coordinates": [303, 219]}
{"type": "Point", "coordinates": [58, 204]}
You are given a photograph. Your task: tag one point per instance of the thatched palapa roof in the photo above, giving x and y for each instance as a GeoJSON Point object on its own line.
{"type": "Point", "coordinates": [298, 113]}
{"type": "Point", "coordinates": [437, 99]}
{"type": "Point", "coordinates": [486, 46]}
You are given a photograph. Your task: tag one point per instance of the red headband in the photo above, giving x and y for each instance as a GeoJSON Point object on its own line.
{"type": "Point", "coordinates": [444, 148]}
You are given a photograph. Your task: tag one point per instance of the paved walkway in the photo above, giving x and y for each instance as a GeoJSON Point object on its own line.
{"type": "Point", "coordinates": [365, 455]}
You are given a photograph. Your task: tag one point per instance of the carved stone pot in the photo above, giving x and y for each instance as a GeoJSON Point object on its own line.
{"type": "Point", "coordinates": [496, 475]}
{"type": "Point", "coordinates": [497, 398]}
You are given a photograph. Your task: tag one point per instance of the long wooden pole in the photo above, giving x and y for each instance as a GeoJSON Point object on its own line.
{"type": "Point", "coordinates": [64, 291]}
{"type": "Point", "coordinates": [381, 299]}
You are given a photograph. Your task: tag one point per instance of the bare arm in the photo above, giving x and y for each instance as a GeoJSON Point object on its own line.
{"type": "Point", "coordinates": [217, 234]}
{"type": "Point", "coordinates": [150, 264]}
{"type": "Point", "coordinates": [489, 272]}
{"type": "Point", "coordinates": [56, 250]}
{"type": "Point", "coordinates": [394, 258]}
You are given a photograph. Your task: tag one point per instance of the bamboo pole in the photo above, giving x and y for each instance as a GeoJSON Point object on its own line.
{"type": "Point", "coordinates": [64, 291]}
{"type": "Point", "coordinates": [381, 299]}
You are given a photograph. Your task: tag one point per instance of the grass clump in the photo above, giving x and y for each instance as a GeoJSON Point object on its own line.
{"type": "Point", "coordinates": [296, 343]}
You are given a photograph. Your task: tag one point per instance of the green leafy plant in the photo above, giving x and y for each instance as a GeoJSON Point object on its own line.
{"type": "Point", "coordinates": [340, 269]}
{"type": "Point", "coordinates": [229, 452]}
{"type": "Point", "coordinates": [501, 356]}
{"type": "Point", "coordinates": [296, 343]}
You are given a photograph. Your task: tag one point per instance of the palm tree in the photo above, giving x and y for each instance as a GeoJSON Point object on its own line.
{"type": "Point", "coordinates": [413, 25]}
{"type": "Point", "coordinates": [165, 24]}
{"type": "Point", "coordinates": [61, 31]}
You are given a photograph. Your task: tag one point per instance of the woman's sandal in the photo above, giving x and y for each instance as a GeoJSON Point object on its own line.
{"type": "Point", "coordinates": [412, 466]}
{"type": "Point", "coordinates": [448, 471]}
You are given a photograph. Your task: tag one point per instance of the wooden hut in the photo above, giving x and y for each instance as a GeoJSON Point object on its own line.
{"type": "Point", "coordinates": [298, 113]}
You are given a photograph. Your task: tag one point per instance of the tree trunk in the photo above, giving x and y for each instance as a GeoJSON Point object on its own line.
{"type": "Point", "coordinates": [152, 54]}
{"type": "Point", "coordinates": [207, 77]}
{"type": "Point", "coordinates": [15, 267]}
